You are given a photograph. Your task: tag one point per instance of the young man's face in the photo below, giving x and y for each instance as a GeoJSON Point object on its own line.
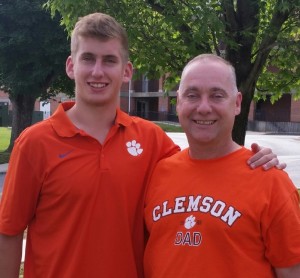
{"type": "Point", "coordinates": [99, 70]}
{"type": "Point", "coordinates": [207, 103]}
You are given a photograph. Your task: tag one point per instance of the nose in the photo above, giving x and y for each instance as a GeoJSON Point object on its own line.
{"type": "Point", "coordinates": [97, 69]}
{"type": "Point", "coordinates": [204, 106]}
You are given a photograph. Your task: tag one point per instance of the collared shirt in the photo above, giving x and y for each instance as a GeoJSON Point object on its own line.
{"type": "Point", "coordinates": [82, 201]}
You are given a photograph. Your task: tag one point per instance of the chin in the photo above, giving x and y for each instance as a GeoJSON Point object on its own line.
{"type": "Point", "coordinates": [100, 101]}
{"type": "Point", "coordinates": [201, 139]}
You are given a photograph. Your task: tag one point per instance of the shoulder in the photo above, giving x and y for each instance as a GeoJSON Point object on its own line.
{"type": "Point", "coordinates": [34, 132]}
{"type": "Point", "coordinates": [280, 179]}
{"type": "Point", "coordinates": [58, 125]}
{"type": "Point", "coordinates": [147, 133]}
{"type": "Point", "coordinates": [174, 162]}
{"type": "Point", "coordinates": [274, 186]}
{"type": "Point", "coordinates": [33, 140]}
{"type": "Point", "coordinates": [135, 122]}
{"type": "Point", "coordinates": [140, 126]}
{"type": "Point", "coordinates": [146, 124]}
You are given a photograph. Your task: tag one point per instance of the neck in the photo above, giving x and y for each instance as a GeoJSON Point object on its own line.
{"type": "Point", "coordinates": [211, 151]}
{"type": "Point", "coordinates": [94, 120]}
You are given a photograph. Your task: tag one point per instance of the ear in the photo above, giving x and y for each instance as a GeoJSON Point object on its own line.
{"type": "Point", "coordinates": [128, 72]}
{"type": "Point", "coordinates": [70, 67]}
{"type": "Point", "coordinates": [238, 103]}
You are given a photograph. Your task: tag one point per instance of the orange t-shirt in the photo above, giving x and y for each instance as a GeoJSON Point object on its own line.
{"type": "Point", "coordinates": [218, 218]}
{"type": "Point", "coordinates": [82, 201]}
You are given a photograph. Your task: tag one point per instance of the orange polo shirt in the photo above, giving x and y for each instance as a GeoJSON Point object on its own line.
{"type": "Point", "coordinates": [82, 201]}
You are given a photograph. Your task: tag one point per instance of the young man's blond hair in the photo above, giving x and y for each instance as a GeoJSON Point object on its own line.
{"type": "Point", "coordinates": [100, 26]}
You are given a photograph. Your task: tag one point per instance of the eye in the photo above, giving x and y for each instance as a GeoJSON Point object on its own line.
{"type": "Point", "coordinates": [87, 58]}
{"type": "Point", "coordinates": [191, 94]}
{"type": "Point", "coordinates": [111, 60]}
{"type": "Point", "coordinates": [192, 97]}
{"type": "Point", "coordinates": [218, 96]}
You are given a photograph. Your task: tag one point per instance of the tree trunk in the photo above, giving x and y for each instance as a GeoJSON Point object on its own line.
{"type": "Point", "coordinates": [246, 82]}
{"type": "Point", "coordinates": [22, 108]}
{"type": "Point", "coordinates": [246, 79]}
{"type": "Point", "coordinates": [241, 121]}
{"type": "Point", "coordinates": [248, 67]}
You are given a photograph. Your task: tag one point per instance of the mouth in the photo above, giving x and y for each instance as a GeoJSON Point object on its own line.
{"type": "Point", "coordinates": [97, 85]}
{"type": "Point", "coordinates": [204, 122]}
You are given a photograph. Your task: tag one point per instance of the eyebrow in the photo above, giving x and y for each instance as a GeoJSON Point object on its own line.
{"type": "Point", "coordinates": [104, 56]}
{"type": "Point", "coordinates": [87, 54]}
{"type": "Point", "coordinates": [190, 88]}
{"type": "Point", "coordinates": [109, 56]}
{"type": "Point", "coordinates": [214, 89]}
{"type": "Point", "coordinates": [195, 88]}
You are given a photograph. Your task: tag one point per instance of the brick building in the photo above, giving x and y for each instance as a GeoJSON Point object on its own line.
{"type": "Point", "coordinates": [147, 99]}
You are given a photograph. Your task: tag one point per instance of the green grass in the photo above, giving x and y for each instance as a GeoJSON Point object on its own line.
{"type": "Point", "coordinates": [4, 143]}
{"type": "Point", "coordinates": [4, 138]}
{"type": "Point", "coordinates": [170, 127]}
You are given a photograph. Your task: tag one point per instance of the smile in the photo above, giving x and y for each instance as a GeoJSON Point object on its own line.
{"type": "Point", "coordinates": [204, 122]}
{"type": "Point", "coordinates": [97, 85]}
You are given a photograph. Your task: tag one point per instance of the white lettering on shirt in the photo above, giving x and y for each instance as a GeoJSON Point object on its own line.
{"type": "Point", "coordinates": [217, 208]}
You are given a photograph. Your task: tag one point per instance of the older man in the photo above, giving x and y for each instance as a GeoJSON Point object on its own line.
{"type": "Point", "coordinates": [207, 213]}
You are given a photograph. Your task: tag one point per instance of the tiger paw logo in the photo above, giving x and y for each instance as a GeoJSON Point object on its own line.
{"type": "Point", "coordinates": [134, 148]}
{"type": "Point", "coordinates": [190, 222]}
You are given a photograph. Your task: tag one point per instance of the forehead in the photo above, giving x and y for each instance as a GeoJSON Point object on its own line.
{"type": "Point", "coordinates": [96, 46]}
{"type": "Point", "coordinates": [206, 74]}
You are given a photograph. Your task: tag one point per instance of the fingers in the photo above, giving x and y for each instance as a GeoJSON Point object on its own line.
{"type": "Point", "coordinates": [274, 162]}
{"type": "Point", "coordinates": [264, 157]}
{"type": "Point", "coordinates": [267, 161]}
{"type": "Point", "coordinates": [271, 163]}
{"type": "Point", "coordinates": [255, 147]}
{"type": "Point", "coordinates": [281, 166]}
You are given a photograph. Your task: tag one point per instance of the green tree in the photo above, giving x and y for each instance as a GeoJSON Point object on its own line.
{"type": "Point", "coordinates": [259, 37]}
{"type": "Point", "coordinates": [33, 50]}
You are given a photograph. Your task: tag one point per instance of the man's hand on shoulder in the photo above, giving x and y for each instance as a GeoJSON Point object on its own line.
{"type": "Point", "coordinates": [264, 157]}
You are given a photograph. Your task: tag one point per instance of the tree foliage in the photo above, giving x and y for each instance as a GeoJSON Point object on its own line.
{"type": "Point", "coordinates": [259, 37]}
{"type": "Point", "coordinates": [33, 50]}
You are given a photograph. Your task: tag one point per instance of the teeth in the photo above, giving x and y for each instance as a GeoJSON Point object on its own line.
{"type": "Point", "coordinates": [97, 85]}
{"type": "Point", "coordinates": [204, 122]}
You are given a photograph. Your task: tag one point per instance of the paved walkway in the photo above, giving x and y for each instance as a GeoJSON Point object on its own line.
{"type": "Point", "coordinates": [3, 168]}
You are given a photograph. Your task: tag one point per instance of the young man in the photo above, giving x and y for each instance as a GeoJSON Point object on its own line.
{"type": "Point", "coordinates": [77, 180]}
{"type": "Point", "coordinates": [207, 213]}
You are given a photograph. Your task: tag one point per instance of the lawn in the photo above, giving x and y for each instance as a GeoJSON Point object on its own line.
{"type": "Point", "coordinates": [170, 127]}
{"type": "Point", "coordinates": [4, 138]}
{"type": "Point", "coordinates": [4, 143]}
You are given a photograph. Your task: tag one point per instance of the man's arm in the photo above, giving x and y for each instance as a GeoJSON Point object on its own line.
{"type": "Point", "coordinates": [288, 272]}
{"type": "Point", "coordinates": [10, 255]}
{"type": "Point", "coordinates": [264, 157]}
